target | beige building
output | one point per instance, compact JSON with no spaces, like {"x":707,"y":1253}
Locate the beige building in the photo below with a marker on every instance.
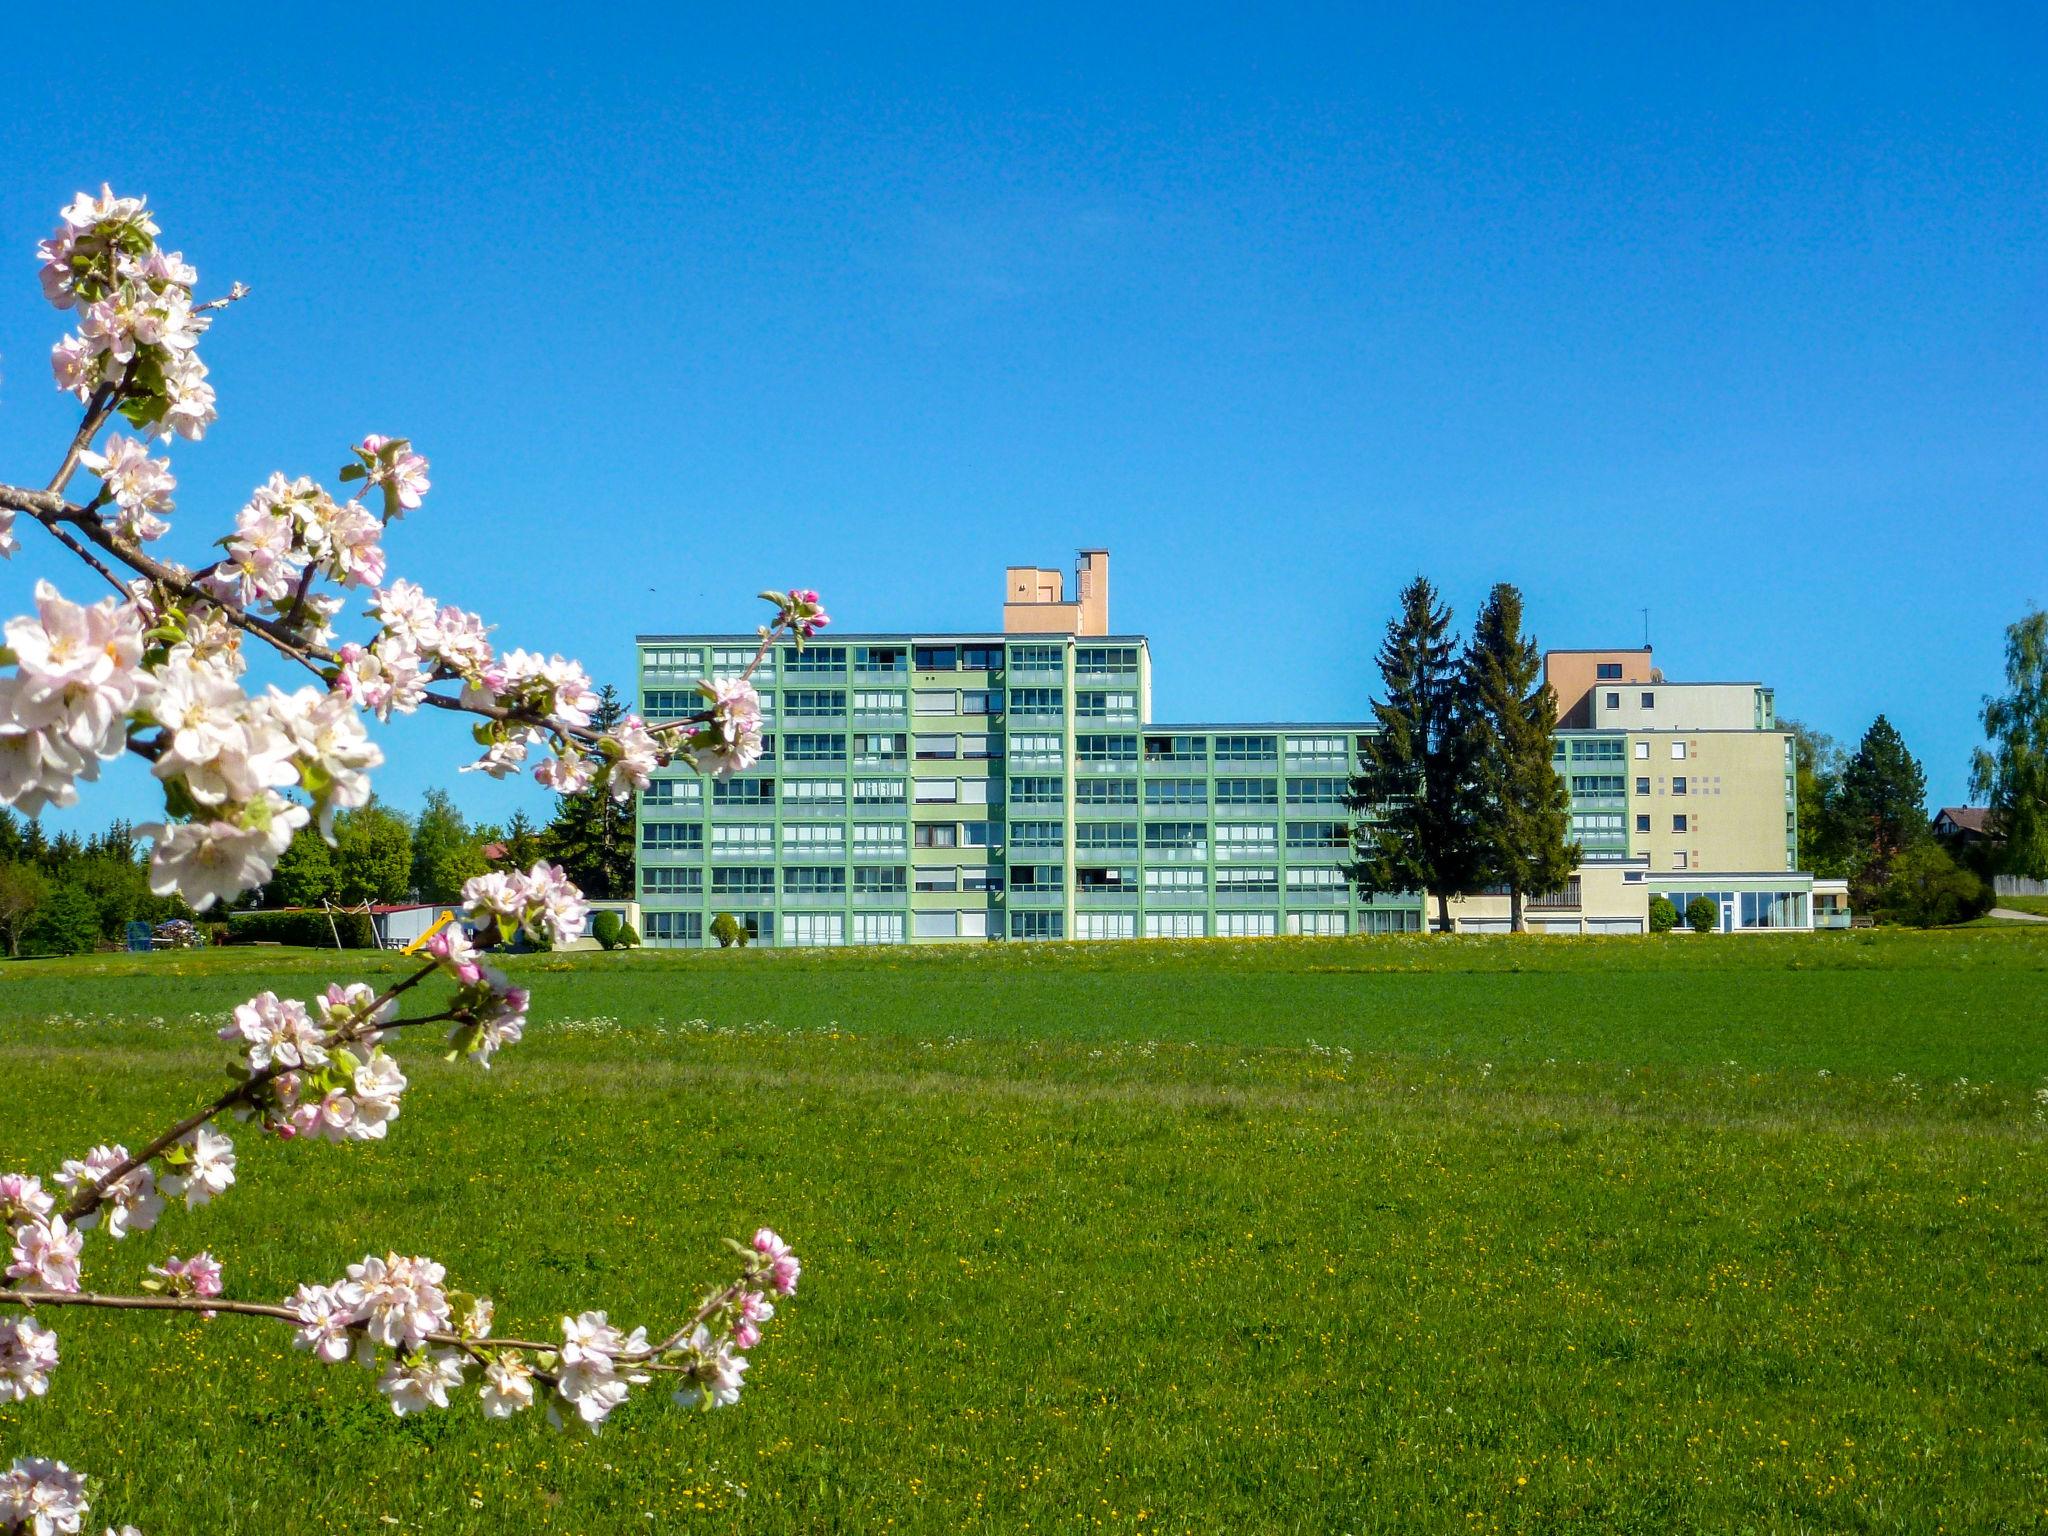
{"x":1680,"y":790}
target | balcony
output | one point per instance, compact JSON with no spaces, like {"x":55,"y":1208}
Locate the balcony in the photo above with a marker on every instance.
{"x":1037,"y":897}
{"x":871,"y":900}
{"x":1335,"y":896}
{"x":1178,"y":897}
{"x":1266,"y":810}
{"x":1106,"y":768}
{"x":1833,"y":920}
{"x":1100,"y":898}
{"x":1118,"y":679}
{"x":1178,"y":810}
{"x":814,"y":810}
{"x":1173,"y":853}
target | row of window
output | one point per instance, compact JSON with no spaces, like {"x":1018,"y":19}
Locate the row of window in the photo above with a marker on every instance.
{"x":824,"y":929}
{"x":669,"y":883}
{"x":1038,"y":790}
{"x":960,"y":656}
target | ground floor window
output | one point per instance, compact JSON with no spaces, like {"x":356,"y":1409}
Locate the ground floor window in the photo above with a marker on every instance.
{"x":1374,"y":920}
{"x":1173,"y":925}
{"x":674,"y":927}
{"x":1106,"y":925}
{"x":1037,"y":925}
{"x":1246,"y":925}
{"x":1321,"y":923}
{"x":878,"y":928}
{"x":811,"y":930}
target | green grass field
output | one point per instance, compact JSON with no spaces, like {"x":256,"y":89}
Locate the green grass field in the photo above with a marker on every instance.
{"x":1302,"y":1236}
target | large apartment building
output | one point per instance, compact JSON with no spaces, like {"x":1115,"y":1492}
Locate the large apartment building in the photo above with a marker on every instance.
{"x":1014,"y":785}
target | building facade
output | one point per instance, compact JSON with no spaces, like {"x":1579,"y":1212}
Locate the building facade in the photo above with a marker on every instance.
{"x":973,"y":787}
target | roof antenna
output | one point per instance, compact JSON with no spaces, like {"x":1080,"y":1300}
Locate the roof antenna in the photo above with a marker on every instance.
{"x":1646,"y":629}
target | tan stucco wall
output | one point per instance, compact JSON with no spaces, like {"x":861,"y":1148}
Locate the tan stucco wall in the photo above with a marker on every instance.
{"x":1734,"y":803}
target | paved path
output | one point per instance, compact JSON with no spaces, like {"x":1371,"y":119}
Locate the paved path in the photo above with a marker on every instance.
{"x":2018,"y":917}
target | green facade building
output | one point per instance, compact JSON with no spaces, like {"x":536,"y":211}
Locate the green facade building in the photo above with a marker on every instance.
{"x":1014,"y":785}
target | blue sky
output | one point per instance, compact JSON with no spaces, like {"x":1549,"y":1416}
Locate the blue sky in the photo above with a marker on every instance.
{"x":1736,"y":313}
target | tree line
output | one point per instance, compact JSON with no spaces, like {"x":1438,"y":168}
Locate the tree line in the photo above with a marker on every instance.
{"x":70,"y":895}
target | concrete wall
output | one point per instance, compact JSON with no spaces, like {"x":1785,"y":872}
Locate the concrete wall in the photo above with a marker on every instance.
{"x":1734,"y":804}
{"x":1679,"y":706}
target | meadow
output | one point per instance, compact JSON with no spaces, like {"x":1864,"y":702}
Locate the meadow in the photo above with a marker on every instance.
{"x":1508,"y":1234}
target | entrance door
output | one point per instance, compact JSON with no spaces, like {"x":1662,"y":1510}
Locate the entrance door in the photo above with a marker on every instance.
{"x":1728,"y":916}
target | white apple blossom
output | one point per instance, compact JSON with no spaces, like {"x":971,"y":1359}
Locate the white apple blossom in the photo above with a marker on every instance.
{"x":277,"y":1030}
{"x":389,"y":464}
{"x":46,"y":1252}
{"x":355,"y":1008}
{"x":37,"y":768}
{"x":23,"y":1195}
{"x":209,"y":1171}
{"x":130,"y":1202}
{"x":28,"y":1353}
{"x":39,"y":1497}
{"x":209,"y":861}
{"x":386,"y":677}
{"x":566,"y":775}
{"x":77,"y":670}
{"x":715,"y":1371}
{"x":327,"y":745}
{"x":504,"y":757}
{"x":402,"y":1299}
{"x":139,"y":485}
{"x":730,"y":741}
{"x":542,"y":902}
{"x":424,"y":1381}
{"x":325,"y":1314}
{"x":378,"y":1084}
{"x":632,"y":754}
{"x":507,"y":1388}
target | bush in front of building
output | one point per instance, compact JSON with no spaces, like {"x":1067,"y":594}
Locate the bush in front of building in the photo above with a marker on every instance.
{"x":629,"y":936}
{"x":1663,"y":915}
{"x":1702,"y":915}
{"x":1929,"y":889}
{"x":605,"y":928}
{"x":729,"y":931}
{"x":307,"y":926}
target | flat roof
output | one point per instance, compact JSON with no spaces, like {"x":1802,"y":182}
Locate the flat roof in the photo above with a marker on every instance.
{"x":901,"y":637}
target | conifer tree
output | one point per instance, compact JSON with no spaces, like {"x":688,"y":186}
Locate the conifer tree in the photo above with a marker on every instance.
{"x":1413,"y":792}
{"x":1883,"y":801}
{"x":591,"y":835}
{"x":1521,"y":808}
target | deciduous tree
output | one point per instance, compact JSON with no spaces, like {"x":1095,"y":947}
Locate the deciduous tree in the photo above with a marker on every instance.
{"x":2011,"y":774}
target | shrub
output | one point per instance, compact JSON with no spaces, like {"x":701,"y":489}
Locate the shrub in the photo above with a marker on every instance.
{"x":306,"y":926}
{"x":604,"y":927}
{"x":728,"y":930}
{"x":1928,"y":889}
{"x":629,"y":936}
{"x":67,"y":924}
{"x":1663,"y":915}
{"x":1702,"y":915}
{"x":217,"y":934}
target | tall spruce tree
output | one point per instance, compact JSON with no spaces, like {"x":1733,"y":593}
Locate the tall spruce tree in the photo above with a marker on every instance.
{"x":1883,"y":805}
{"x":1521,"y":808}
{"x":1413,"y":790}
{"x":591,"y":835}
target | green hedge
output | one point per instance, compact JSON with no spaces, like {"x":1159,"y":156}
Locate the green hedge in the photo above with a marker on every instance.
{"x":305,"y":925}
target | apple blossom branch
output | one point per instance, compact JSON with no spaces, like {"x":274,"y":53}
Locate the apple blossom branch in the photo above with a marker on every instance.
{"x":158,"y":670}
